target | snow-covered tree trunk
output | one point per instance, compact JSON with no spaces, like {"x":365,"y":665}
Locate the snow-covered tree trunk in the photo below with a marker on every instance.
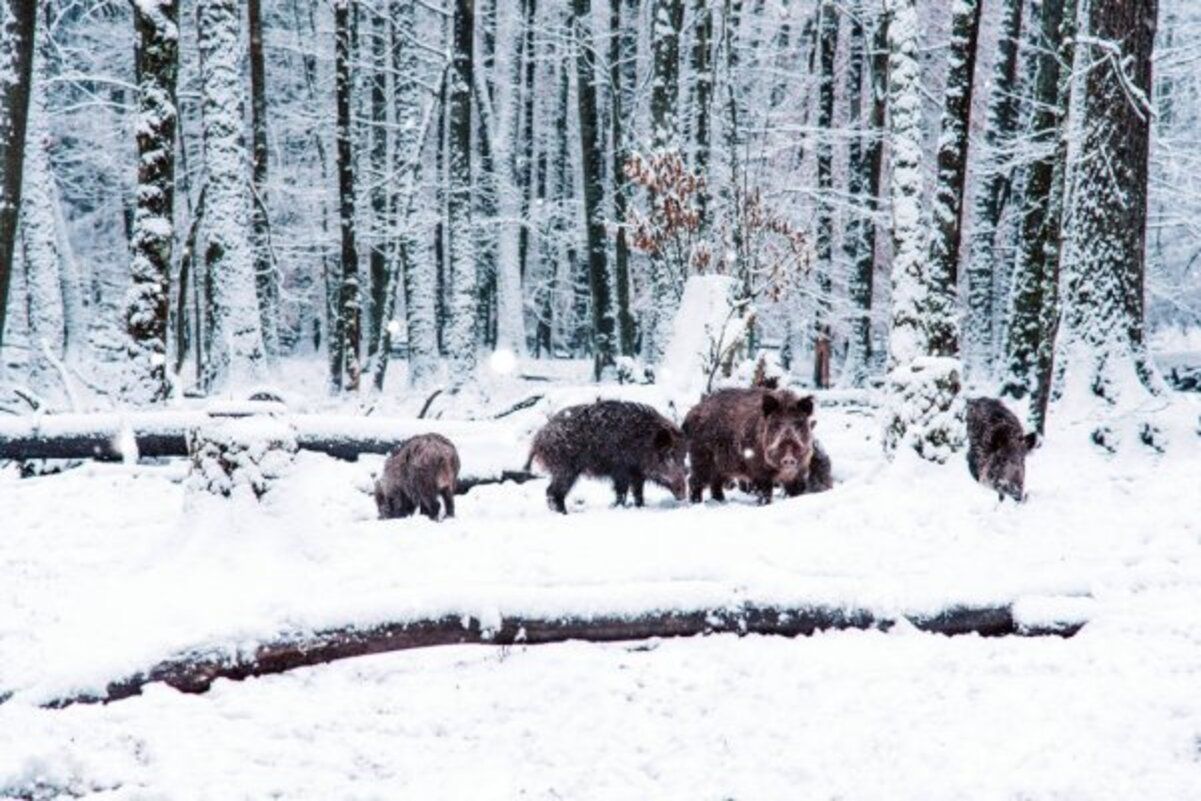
{"x":702,"y":100}
{"x":460,"y":331}
{"x":348,"y":325}
{"x":266,"y":281}
{"x":623,"y":57}
{"x":17,"y":19}
{"x":924,"y":409}
{"x":420,"y":276}
{"x":951,"y":181}
{"x":592,"y":155}
{"x":866,"y":165}
{"x":980,"y":348}
{"x":1101,"y":356}
{"x":510,"y":313}
{"x":381,"y":262}
{"x":667,"y":20}
{"x":1036,"y":272}
{"x":236,"y":352}
{"x":153,"y":240}
{"x":827,"y":50}
{"x":44,"y":312}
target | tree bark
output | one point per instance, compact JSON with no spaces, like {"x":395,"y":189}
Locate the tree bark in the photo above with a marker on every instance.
{"x":16,"y":61}
{"x":827,"y":50}
{"x":1105,"y":224}
{"x":153,"y":240}
{"x":1037,"y":266}
{"x":461,"y":331}
{"x":236,"y":352}
{"x":196,"y":672}
{"x":348,"y":326}
{"x":979,"y":345}
{"x":623,"y":55}
{"x":265,"y":278}
{"x":951,"y":186}
{"x":592,"y":156}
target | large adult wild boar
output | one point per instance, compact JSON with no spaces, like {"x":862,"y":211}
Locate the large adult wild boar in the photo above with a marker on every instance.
{"x":759,"y":436}
{"x":629,"y":443}
{"x":997,"y":447}
{"x":422,"y":470}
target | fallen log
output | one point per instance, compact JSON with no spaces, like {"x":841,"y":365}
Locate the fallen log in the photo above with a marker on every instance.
{"x":195,"y":672}
{"x":142,"y":435}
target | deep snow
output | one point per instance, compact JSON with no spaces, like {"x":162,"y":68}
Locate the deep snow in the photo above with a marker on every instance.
{"x":108,"y":568}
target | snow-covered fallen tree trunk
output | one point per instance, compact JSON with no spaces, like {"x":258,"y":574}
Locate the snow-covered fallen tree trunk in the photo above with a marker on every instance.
{"x":196,"y":672}
{"x":490,"y":452}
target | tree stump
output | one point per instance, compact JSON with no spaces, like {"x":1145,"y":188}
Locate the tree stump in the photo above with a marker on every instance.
{"x":240,"y":455}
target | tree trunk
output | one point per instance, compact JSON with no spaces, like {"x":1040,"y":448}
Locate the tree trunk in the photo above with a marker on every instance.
{"x":149,"y":300}
{"x":623,"y":56}
{"x":461,"y":332}
{"x":1036,"y":273}
{"x":592,"y":156}
{"x":702,"y":100}
{"x":925,"y":409}
{"x":265,"y":278}
{"x":1103,"y":355}
{"x":348,"y":325}
{"x":196,"y":674}
{"x":17,"y":18}
{"x":980,"y":349}
{"x":865,"y":164}
{"x":827,"y":49}
{"x":236,"y":352}
{"x":504,"y":130}
{"x":951,"y":182}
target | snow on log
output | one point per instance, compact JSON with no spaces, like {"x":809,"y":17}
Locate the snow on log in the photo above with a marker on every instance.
{"x":491,"y":452}
{"x":195,"y":672}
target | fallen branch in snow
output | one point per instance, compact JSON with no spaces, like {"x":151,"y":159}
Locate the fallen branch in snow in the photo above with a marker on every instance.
{"x":485,"y":447}
{"x":519,"y":406}
{"x":196,"y":672}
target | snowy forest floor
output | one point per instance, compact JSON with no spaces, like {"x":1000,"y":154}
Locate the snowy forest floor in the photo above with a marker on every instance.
{"x":106,"y":569}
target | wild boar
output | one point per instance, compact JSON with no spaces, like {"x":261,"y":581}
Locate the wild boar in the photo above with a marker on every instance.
{"x":997,"y":447}
{"x":629,"y":443}
{"x":759,"y":436}
{"x":421,"y":470}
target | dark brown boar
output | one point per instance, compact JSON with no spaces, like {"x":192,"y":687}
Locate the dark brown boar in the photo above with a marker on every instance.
{"x":421,"y":470}
{"x":997,"y":447}
{"x":759,"y":436}
{"x":629,"y":443}
{"x":820,"y":477}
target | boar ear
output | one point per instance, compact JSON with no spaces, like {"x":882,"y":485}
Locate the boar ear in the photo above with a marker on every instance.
{"x":771,"y":404}
{"x":663,"y":439}
{"x":805,"y":405}
{"x":1033,"y":440}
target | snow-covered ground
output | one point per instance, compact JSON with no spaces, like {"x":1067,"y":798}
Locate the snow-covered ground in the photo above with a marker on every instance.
{"x":107,"y":569}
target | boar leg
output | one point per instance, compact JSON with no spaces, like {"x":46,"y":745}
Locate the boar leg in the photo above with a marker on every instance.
{"x":701,"y":477}
{"x":404,"y":506}
{"x":717,"y":488}
{"x":448,"y":502}
{"x":638,"y":483}
{"x":621,"y":487}
{"x":429,"y":507}
{"x":764,"y":489}
{"x":556,"y":493}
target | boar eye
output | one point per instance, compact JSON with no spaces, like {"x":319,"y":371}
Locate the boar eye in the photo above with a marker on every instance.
{"x":805,"y":405}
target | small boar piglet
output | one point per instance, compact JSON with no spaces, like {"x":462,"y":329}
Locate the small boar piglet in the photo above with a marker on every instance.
{"x":759,"y":436}
{"x":997,"y":447}
{"x":422,"y":470}
{"x":629,"y":443}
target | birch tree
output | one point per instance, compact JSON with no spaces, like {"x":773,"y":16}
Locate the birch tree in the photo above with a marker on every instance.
{"x":153,"y":240}
{"x":924,"y":410}
{"x":17,"y":21}
{"x":236,"y":352}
